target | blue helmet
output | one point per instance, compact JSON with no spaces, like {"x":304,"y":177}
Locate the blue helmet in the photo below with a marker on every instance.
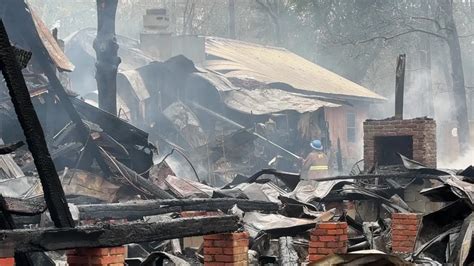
{"x":316,"y":144}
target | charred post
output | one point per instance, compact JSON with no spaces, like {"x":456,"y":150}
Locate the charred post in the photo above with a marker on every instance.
{"x":106,"y":47}
{"x":399,"y":86}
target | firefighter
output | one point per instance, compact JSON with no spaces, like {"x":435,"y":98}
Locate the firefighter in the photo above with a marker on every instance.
{"x":316,"y":164}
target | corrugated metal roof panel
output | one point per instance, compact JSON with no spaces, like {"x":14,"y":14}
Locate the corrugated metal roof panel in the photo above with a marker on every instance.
{"x":267,"y":101}
{"x":236,"y":59}
{"x":57,"y":55}
{"x":136,"y":82}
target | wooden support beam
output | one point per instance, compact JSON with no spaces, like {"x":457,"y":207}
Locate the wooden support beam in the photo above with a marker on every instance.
{"x":108,"y":235}
{"x":139,"y":209}
{"x":20,"y":97}
{"x":135,"y":210}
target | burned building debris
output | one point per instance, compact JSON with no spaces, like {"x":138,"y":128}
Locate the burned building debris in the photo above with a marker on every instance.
{"x":201,"y":162}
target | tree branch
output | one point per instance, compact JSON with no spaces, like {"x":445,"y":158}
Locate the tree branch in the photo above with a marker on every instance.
{"x":436,"y":22}
{"x":401,"y":34}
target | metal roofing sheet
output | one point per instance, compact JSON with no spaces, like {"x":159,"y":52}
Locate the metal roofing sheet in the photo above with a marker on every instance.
{"x":237,"y":59}
{"x":136,"y":82}
{"x":56,"y":54}
{"x":266,"y":101}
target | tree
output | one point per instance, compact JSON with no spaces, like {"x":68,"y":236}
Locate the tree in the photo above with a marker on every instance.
{"x":380,"y":22}
{"x":106,"y":48}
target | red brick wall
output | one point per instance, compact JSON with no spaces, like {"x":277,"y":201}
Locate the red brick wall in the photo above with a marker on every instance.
{"x":226,"y":249}
{"x":404,"y":230}
{"x":327,"y":238}
{"x":96,"y":256}
{"x":7,"y":261}
{"x":423,"y":131}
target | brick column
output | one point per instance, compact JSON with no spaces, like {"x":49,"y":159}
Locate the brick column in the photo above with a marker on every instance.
{"x":327,"y":238}
{"x":7,"y":261}
{"x":226,"y":249}
{"x":114,"y":256}
{"x":404,"y":230}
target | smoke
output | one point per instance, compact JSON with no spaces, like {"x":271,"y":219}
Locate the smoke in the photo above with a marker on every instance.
{"x":459,"y":163}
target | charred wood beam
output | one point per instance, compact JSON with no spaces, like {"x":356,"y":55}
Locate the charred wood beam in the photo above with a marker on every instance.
{"x":26,"y":207}
{"x":136,"y":209}
{"x":20,"y":97}
{"x":106,"y":49}
{"x":108,"y":235}
{"x":6,"y":149}
{"x":139,"y":209}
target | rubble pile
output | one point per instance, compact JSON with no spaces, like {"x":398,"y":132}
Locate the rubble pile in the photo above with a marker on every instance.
{"x":90,"y":188}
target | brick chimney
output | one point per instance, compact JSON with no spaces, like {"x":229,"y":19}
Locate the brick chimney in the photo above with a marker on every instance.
{"x":156,"y":37}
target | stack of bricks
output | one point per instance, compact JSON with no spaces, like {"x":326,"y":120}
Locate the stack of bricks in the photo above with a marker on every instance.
{"x":7,"y":261}
{"x":226,"y":249}
{"x":96,"y":256}
{"x":404,"y":230}
{"x":327,"y":238}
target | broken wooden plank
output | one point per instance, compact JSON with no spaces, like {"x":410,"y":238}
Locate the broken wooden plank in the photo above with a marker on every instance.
{"x":139,"y":209}
{"x":108,"y":235}
{"x":27,"y":207}
{"x":20,"y":97}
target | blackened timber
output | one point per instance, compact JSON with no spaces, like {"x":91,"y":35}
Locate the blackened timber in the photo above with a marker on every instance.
{"x":20,"y":97}
{"x":112,"y":235}
{"x":399,"y":86}
{"x":27,"y":207}
{"x":139,"y":209}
